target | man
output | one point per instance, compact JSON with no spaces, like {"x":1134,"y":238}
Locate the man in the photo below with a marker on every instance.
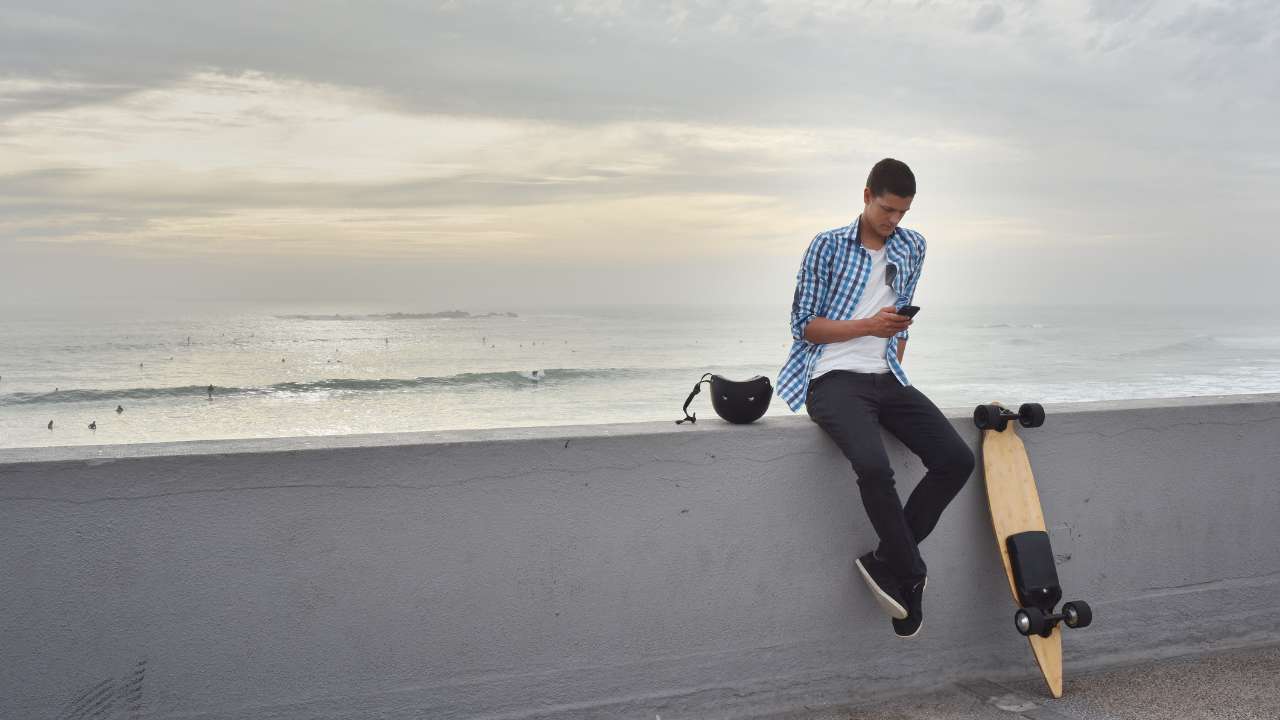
{"x":846,"y":366}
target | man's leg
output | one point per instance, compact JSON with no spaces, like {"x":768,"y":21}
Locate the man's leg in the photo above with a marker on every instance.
{"x":846,"y":406}
{"x":920,"y":425}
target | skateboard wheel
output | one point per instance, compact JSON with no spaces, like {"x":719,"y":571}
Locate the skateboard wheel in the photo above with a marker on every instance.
{"x":986,"y":417}
{"x":1031,"y":415}
{"x":1029,"y":621}
{"x":1078,"y":614}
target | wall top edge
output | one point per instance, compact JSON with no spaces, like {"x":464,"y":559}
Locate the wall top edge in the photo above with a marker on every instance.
{"x":559,"y":432}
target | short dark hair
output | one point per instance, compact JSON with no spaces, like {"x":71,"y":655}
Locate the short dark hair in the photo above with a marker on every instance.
{"x":893,"y":176}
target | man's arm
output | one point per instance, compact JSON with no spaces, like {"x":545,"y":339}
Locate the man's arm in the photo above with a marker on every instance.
{"x":884,"y":324}
{"x":811,"y":289}
{"x":902,"y":350}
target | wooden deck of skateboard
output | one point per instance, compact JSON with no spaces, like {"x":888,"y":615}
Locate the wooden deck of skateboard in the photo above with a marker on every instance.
{"x":1015,"y":507}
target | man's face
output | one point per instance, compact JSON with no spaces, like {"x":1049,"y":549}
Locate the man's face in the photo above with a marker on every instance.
{"x":885,"y":212}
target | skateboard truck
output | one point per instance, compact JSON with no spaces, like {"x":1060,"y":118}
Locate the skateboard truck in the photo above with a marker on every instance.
{"x":1036,"y":579}
{"x":997,"y":417}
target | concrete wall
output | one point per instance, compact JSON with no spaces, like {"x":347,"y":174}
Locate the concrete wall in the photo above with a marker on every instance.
{"x":607,"y":571}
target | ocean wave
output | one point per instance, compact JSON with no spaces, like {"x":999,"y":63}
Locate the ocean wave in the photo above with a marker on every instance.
{"x":1259,"y":342}
{"x":446,"y":315}
{"x":510,"y":378}
{"x":1194,"y":344}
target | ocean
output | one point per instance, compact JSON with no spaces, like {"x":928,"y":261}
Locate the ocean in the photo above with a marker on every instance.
{"x":280,"y":372}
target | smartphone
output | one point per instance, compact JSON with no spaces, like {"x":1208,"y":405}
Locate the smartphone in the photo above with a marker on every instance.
{"x":909,"y":311}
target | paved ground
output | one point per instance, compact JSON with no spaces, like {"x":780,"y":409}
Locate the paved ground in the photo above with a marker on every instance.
{"x":1237,"y":685}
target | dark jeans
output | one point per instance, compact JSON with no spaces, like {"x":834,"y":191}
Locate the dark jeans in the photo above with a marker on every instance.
{"x":852,"y":408}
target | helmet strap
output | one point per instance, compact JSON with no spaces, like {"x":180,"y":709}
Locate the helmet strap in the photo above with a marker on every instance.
{"x":697,"y":388}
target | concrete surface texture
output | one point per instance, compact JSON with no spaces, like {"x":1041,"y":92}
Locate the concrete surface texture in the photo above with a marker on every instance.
{"x":600,"y":571}
{"x":1239,"y":684}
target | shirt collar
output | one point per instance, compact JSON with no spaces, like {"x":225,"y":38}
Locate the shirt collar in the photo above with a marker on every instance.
{"x":851,"y":234}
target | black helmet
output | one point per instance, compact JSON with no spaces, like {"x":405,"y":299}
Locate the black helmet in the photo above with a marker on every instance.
{"x":738,"y":401}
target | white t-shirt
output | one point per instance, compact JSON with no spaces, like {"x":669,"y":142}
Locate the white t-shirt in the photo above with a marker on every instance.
{"x":862,"y":354}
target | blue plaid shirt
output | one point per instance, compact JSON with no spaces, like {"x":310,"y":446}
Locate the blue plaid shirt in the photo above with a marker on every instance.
{"x":832,"y":277}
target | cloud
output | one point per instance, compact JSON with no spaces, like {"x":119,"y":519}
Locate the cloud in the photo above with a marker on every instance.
{"x":252,"y":163}
{"x":474,"y":130}
{"x":21,"y":95}
{"x":1241,"y":24}
{"x":1114,"y":11}
{"x":753,"y":63}
{"x":988,"y":17}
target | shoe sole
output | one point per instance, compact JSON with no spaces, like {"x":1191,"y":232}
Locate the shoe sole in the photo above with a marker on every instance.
{"x":908,"y":637}
{"x":886,"y":601}
{"x":921,"y":625}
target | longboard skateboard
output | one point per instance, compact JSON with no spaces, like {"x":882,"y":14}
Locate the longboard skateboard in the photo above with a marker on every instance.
{"x":1018,"y":521}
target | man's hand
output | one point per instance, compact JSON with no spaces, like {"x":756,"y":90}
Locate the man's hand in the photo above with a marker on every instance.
{"x":887,"y":322}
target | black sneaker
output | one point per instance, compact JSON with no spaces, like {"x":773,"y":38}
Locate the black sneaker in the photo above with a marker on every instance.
{"x":911,"y":625}
{"x":884,"y":585}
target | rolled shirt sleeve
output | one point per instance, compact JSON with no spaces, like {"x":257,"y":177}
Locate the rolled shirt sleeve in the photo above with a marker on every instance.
{"x":811,"y":286}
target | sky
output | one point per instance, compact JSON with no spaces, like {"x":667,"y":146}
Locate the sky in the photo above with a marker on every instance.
{"x":492,"y":156}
